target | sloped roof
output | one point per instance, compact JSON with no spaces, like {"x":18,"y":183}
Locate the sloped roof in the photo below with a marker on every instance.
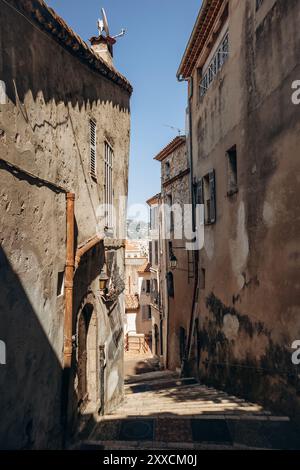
{"x":154,"y":199}
{"x":202,"y":29}
{"x":48,"y":20}
{"x":171,"y":147}
{"x":132,"y":302}
{"x":145,"y":268}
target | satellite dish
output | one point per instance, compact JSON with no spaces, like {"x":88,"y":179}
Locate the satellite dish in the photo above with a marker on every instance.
{"x":105,"y":22}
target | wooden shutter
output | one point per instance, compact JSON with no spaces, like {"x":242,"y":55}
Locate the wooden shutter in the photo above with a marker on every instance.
{"x":93,"y":148}
{"x":212,"y":187}
{"x":150,"y":253}
{"x":199,"y":193}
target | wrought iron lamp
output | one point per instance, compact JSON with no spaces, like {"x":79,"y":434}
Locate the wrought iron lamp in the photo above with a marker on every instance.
{"x":103,"y":281}
{"x":173,"y":261}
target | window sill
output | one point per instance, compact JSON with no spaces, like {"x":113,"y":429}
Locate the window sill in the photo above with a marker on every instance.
{"x":209,"y":223}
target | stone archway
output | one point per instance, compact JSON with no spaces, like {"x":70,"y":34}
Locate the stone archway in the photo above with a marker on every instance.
{"x":87,"y":358}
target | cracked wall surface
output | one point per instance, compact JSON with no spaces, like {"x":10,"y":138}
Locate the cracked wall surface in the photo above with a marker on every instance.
{"x":44,"y":151}
{"x":249,"y":309}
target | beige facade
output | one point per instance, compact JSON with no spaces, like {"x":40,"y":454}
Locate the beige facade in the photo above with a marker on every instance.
{"x":137,"y":320}
{"x":66,"y":112}
{"x":159,"y":319}
{"x":244,"y":140}
{"x":175,"y":262}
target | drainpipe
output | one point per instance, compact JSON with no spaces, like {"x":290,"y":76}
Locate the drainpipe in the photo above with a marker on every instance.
{"x":68,"y":318}
{"x":69,"y":277}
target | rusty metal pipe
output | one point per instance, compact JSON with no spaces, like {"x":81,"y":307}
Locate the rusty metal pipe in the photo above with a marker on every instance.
{"x":69,"y":276}
{"x":85,"y":248}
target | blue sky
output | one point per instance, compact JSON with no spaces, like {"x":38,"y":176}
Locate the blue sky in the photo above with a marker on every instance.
{"x":149,"y":56}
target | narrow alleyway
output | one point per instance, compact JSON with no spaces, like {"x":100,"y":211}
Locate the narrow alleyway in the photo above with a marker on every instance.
{"x":162,"y":411}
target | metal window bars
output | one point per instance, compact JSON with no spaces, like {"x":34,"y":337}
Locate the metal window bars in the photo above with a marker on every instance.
{"x":215,"y":65}
{"x":93,"y":148}
{"x":108,"y":184}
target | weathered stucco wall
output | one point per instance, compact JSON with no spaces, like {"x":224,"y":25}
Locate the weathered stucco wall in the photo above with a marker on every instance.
{"x":51,"y":95}
{"x":249,"y":306}
{"x":176,"y":184}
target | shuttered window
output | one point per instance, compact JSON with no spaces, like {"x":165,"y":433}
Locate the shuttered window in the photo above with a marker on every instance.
{"x":205,"y":193}
{"x":93,"y":148}
{"x":108,"y":183}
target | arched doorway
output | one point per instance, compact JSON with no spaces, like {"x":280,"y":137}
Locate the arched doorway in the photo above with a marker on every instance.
{"x":156,"y":340}
{"x":87,"y":358}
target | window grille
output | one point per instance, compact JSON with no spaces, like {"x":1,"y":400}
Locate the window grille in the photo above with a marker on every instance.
{"x":93,"y":148}
{"x":215,"y":65}
{"x":108,"y":184}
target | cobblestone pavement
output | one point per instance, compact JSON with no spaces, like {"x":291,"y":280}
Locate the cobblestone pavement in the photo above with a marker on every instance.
{"x":161,"y":411}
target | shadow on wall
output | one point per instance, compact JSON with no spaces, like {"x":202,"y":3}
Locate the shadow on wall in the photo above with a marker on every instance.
{"x":30,"y":382}
{"x":67,"y":79}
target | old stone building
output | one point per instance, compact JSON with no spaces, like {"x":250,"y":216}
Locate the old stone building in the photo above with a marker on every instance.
{"x":240,"y":62}
{"x":144,"y":321}
{"x":137,"y":322}
{"x":64,"y":145}
{"x":158,"y":311}
{"x":176,"y":261}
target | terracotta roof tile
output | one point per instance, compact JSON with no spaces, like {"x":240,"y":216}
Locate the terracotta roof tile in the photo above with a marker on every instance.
{"x":46,"y":18}
{"x":145,"y":268}
{"x":171,"y":147}
{"x":132,"y":302}
{"x":204,"y":25}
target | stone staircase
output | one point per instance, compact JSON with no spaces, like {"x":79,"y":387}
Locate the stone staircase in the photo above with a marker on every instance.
{"x":163,"y":411}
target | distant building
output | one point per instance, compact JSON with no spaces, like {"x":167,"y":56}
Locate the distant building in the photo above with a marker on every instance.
{"x":159,"y":318}
{"x":176,"y":263}
{"x":136,"y":320}
{"x":244,"y":134}
{"x":64,"y":148}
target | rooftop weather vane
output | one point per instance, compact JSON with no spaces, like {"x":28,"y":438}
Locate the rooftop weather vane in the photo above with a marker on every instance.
{"x":103,"y":26}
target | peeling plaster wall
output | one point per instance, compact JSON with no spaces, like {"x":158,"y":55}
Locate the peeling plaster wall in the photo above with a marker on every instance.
{"x":249,"y":309}
{"x":44,"y":129}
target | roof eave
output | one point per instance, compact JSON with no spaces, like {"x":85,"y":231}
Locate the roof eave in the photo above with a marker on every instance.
{"x":204,"y":24}
{"x":170,"y":148}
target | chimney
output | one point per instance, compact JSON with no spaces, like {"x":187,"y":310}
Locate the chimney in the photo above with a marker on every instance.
{"x":103,"y":47}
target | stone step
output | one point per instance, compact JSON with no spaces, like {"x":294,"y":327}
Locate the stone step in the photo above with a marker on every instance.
{"x":165,"y":383}
{"x":153,"y":445}
{"x":150,"y":376}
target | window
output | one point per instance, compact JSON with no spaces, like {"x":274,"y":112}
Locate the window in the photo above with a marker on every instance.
{"x":207,"y":197}
{"x":156,"y":252}
{"x":170,"y":284}
{"x":232,"y":176}
{"x":167,"y":170}
{"x":154,"y":217}
{"x":148,"y":286}
{"x":259,"y":4}
{"x":170,"y":222}
{"x":60,"y":283}
{"x":150,"y":253}
{"x":146,"y":313}
{"x":215,"y":65}
{"x":108,"y":184}
{"x":93,"y":149}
